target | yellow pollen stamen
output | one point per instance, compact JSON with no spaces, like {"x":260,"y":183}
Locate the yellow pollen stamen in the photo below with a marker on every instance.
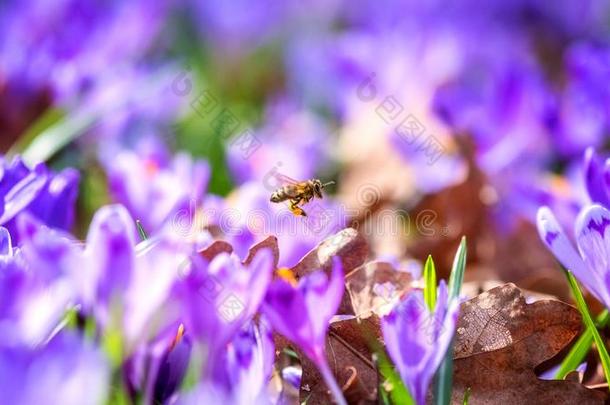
{"x":178,"y":337}
{"x":286,"y":274}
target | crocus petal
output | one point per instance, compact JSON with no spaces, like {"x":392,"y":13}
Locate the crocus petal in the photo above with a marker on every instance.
{"x":218,"y":298}
{"x":557,"y":241}
{"x":110,"y":251}
{"x":172,"y":370}
{"x":56,"y":203}
{"x":6,"y":248}
{"x":447,"y":331}
{"x":302,"y":313}
{"x":408,"y":337}
{"x":155,"y":271}
{"x":246,"y":368}
{"x":593,"y":239}
{"x":66,"y":371}
{"x":260,"y":270}
{"x":45,"y":288}
{"x":286,"y":310}
{"x":595,"y":178}
{"x":440,"y":309}
{"x":22,"y":194}
{"x":325,"y":297}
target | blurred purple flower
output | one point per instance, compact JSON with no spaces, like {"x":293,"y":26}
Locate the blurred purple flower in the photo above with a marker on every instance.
{"x":302,"y":312}
{"x":292,"y":141}
{"x":246,"y":365}
{"x":597,"y":177}
{"x":157,"y":192}
{"x":73,"y":42}
{"x":35,"y":283}
{"x":157,"y":369}
{"x":48,"y":196}
{"x":67,"y":371}
{"x":173,"y":367}
{"x":60,"y":55}
{"x":590,"y":263}
{"x":122,"y":285}
{"x":417,"y":339}
{"x":583,"y":113}
{"x":217,"y":298}
{"x":236,"y":28}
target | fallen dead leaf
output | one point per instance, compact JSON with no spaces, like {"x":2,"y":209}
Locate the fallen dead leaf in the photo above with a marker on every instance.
{"x":268,"y":243}
{"x":347,"y":244}
{"x":350,"y":359}
{"x":500,"y":340}
{"x":215,"y":248}
{"x":375,"y":287}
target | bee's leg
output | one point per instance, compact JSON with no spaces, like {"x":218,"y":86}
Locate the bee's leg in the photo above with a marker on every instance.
{"x":296,"y":210}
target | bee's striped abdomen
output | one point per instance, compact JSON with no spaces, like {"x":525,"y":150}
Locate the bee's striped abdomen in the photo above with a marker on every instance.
{"x":283,"y":194}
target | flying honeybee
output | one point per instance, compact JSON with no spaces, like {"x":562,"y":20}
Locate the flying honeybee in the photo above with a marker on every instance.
{"x":298,"y":193}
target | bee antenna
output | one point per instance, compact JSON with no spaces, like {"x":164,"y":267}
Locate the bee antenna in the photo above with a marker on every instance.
{"x":328,"y":184}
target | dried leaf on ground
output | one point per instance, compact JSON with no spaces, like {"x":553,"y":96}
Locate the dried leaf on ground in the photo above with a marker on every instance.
{"x":500,"y":340}
{"x":268,"y":243}
{"x":347,"y":244}
{"x":215,"y":248}
{"x":375,"y":287}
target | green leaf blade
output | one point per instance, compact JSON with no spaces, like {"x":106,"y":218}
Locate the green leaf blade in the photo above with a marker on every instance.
{"x":580,"y":349}
{"x":591,"y":328}
{"x":444,"y":375}
{"x":430,"y":283}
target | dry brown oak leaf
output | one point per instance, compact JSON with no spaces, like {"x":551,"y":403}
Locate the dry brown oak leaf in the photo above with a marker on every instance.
{"x":350,"y":358}
{"x":500,"y":339}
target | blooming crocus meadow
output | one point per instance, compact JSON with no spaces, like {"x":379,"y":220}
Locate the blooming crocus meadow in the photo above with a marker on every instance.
{"x":144,"y":261}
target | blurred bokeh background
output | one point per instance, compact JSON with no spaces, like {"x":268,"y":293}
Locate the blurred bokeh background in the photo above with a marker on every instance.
{"x":435,"y":119}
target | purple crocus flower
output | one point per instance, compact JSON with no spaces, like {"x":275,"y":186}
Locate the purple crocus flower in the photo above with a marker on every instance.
{"x":48,"y":196}
{"x":69,"y":56}
{"x":124,"y":285}
{"x":35,"y":283}
{"x":302,"y":312}
{"x":584,"y":117}
{"x":157,"y":369}
{"x":246,"y":365}
{"x":291,"y":142}
{"x":234,"y":26}
{"x":597,"y":177}
{"x":172,"y":370}
{"x":592,"y":235}
{"x":158,"y":192}
{"x":67,"y":371}
{"x":417,"y":339}
{"x":217,"y":298}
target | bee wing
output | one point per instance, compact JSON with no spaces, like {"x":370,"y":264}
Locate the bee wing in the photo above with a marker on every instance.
{"x":294,"y":188}
{"x":285,"y":180}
